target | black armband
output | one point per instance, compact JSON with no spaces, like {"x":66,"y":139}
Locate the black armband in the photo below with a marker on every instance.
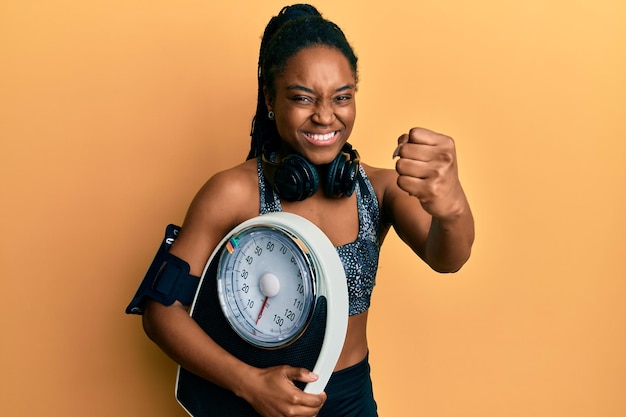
{"x":167,"y":279}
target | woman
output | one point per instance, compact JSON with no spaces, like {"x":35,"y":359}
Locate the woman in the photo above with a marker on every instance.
{"x":305,"y":114}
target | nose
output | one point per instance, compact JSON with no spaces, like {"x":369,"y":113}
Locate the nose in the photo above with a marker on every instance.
{"x":324,"y":114}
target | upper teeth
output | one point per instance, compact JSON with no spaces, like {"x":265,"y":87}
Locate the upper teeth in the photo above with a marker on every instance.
{"x":325,"y":137}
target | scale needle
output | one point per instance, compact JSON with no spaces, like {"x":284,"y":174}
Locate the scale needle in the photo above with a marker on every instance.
{"x":261,"y":312}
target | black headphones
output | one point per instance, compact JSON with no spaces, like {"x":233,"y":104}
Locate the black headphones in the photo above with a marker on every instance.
{"x":296,"y":179}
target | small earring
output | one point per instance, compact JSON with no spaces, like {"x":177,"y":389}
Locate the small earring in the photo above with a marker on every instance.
{"x":270,"y":115}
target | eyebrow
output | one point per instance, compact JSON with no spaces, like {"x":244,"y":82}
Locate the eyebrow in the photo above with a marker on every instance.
{"x":299,"y":87}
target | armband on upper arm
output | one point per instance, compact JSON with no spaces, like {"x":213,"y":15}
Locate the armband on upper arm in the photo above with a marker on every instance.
{"x":167,"y":279}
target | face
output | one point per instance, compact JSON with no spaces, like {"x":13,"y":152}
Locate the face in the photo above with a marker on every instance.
{"x":314,"y":104}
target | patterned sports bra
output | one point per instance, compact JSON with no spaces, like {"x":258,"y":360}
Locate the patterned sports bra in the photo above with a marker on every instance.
{"x":359,"y":258}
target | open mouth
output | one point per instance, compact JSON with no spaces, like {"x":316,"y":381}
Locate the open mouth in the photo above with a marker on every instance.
{"x":326,"y":137}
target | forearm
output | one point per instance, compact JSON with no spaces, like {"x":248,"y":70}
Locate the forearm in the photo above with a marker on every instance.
{"x":449,"y":241}
{"x":186,"y":343}
{"x":270,"y":391}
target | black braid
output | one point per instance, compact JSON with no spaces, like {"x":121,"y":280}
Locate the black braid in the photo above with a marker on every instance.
{"x":293,"y":29}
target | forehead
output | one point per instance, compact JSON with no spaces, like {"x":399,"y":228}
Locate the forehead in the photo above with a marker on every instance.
{"x":317,"y":67}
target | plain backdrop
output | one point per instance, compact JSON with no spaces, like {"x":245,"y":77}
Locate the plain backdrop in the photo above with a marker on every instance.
{"x":113,"y":114}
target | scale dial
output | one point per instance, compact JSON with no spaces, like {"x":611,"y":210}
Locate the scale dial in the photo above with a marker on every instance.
{"x":266,"y":285}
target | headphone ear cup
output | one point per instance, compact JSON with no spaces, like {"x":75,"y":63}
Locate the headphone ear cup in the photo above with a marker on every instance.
{"x":296,"y":179}
{"x":341,"y":176}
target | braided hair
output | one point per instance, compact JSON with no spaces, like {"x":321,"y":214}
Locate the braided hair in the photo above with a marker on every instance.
{"x":295,"y":28}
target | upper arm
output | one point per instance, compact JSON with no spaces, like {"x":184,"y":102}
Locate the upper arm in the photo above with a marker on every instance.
{"x":226,"y":200}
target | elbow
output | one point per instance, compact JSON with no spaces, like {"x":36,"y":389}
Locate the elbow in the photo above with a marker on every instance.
{"x":448,"y":266}
{"x":158,"y":319}
{"x":147,"y":322}
{"x":446,"y":269}
{"x":150,"y":319}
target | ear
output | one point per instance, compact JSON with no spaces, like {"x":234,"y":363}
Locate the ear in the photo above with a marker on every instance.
{"x":269,"y":100}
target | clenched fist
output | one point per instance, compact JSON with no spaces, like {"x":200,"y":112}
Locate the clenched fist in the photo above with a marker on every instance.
{"x":427,"y":169}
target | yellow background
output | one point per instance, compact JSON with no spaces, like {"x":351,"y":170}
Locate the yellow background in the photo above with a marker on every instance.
{"x":114,"y":113}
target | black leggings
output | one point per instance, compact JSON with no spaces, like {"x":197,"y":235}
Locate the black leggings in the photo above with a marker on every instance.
{"x":349,"y":393}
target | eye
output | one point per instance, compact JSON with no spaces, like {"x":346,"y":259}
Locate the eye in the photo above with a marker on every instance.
{"x":343,"y":99}
{"x":302,"y":99}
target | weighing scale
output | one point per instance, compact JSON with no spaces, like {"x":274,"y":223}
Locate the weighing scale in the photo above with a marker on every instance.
{"x":272,"y":293}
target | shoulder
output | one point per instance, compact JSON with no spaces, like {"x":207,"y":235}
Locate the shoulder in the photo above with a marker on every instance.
{"x":228,"y":198}
{"x":383,"y":180}
{"x":225,"y":187}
